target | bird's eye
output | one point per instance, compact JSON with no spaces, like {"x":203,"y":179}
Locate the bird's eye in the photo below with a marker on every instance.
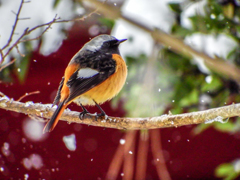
{"x":106,"y":44}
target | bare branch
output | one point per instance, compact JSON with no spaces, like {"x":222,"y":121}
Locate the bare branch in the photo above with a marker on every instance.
{"x":14,"y":25}
{"x":27,"y":31}
{"x":26,"y":18}
{"x":23,"y":55}
{"x":15,"y":44}
{"x":7,"y":64}
{"x":49,"y":24}
{"x":45,"y":111}
{"x":28,"y":94}
{"x":78,"y":18}
{"x":176,"y":44}
{"x":1,"y":58}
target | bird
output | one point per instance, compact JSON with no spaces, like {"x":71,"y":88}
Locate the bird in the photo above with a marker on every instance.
{"x":95,"y":74}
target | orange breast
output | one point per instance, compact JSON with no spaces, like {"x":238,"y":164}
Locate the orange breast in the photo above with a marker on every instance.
{"x":108,"y":88}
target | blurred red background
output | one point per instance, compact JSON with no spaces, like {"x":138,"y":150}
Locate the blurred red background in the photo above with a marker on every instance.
{"x":187,"y":156}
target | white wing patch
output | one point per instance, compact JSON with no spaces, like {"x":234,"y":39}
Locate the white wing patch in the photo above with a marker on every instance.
{"x":86,"y":73}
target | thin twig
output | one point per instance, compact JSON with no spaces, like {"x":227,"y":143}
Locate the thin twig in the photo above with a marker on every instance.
{"x":15,"y":44}
{"x":1,"y":58}
{"x":79,"y":18}
{"x":23,"y":55}
{"x":7,"y":64}
{"x":27,"y":31}
{"x":49,"y":24}
{"x":14,"y":25}
{"x":164,"y":121}
{"x":28,"y":94}
{"x":26,"y":18}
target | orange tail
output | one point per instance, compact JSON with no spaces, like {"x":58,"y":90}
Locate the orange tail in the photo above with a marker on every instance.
{"x":55,"y":117}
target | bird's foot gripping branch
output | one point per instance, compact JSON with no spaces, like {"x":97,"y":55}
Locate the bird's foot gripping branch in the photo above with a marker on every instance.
{"x":46,"y":111}
{"x":95,"y":74}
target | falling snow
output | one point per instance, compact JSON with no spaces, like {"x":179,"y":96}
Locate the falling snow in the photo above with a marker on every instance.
{"x":122,"y":141}
{"x":236,"y":165}
{"x":33,"y":161}
{"x":26,"y":176}
{"x":6,"y":149}
{"x":208,"y":79}
{"x":33,"y":130}
{"x":70,"y":142}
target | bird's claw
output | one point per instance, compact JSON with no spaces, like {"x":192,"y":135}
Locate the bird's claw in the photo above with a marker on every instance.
{"x":82,"y":114}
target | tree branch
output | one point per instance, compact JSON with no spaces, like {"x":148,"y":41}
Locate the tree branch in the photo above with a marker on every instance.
{"x":28,"y":31}
{"x":7,"y":64}
{"x":14,"y":25}
{"x":45,"y":111}
{"x":177,"y":45}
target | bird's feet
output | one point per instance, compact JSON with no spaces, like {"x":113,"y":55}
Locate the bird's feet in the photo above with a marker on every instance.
{"x":83,"y":113}
{"x":100,"y":114}
{"x":96,"y":115}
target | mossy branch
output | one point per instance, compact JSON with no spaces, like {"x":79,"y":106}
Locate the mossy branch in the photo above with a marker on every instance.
{"x":164,"y":121}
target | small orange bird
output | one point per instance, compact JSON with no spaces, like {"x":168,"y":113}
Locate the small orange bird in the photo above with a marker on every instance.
{"x":95,"y":74}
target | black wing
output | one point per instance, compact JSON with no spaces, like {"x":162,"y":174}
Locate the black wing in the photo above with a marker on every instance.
{"x":58,"y":96}
{"x":105,"y":66}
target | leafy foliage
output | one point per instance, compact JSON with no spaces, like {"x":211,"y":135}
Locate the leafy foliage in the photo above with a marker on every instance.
{"x":182,"y":82}
{"x":218,"y":18}
{"x":227,"y":171}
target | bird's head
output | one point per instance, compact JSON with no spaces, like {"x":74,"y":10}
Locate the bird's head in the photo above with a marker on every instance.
{"x":104,"y":44}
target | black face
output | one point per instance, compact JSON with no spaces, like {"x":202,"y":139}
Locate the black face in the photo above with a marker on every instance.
{"x":104,"y":44}
{"x":110,"y":46}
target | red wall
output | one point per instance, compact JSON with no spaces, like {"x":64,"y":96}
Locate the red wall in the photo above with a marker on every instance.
{"x":187,"y":156}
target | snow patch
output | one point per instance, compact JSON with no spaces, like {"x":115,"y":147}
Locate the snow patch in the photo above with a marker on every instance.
{"x":70,"y":142}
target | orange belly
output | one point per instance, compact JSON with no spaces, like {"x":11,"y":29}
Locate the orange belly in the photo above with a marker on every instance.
{"x":108,"y":88}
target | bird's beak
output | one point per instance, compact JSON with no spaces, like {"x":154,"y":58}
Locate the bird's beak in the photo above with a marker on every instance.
{"x":120,"y":41}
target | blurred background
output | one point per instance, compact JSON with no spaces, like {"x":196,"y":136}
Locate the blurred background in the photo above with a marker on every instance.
{"x":159,"y":80}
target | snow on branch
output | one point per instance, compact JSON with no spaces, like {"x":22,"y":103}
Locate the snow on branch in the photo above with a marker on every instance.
{"x":163,"y":121}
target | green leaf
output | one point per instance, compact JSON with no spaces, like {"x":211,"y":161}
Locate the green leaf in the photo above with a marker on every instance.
{"x":55,"y":3}
{"x":231,"y":53}
{"x":214,"y":84}
{"x":191,"y":98}
{"x":224,"y":127}
{"x":200,"y":128}
{"x":175,"y":7}
{"x":181,"y":31}
{"x":22,"y":69}
{"x":5,"y":74}
{"x":226,"y":171}
{"x":108,"y":22}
